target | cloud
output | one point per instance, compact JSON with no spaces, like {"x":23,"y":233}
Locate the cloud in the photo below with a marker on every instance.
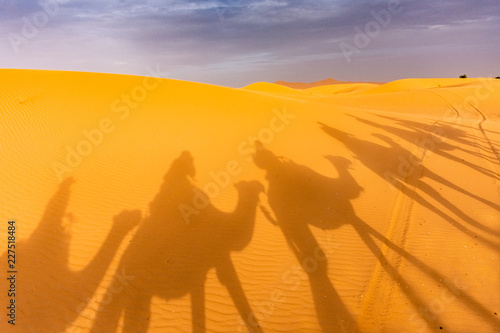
{"x":267,"y":37}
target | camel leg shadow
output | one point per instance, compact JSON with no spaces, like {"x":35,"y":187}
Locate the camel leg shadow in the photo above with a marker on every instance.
{"x":227,"y":275}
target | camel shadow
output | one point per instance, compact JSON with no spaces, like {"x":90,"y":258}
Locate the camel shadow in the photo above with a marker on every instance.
{"x":404,"y":171}
{"x":52,"y":294}
{"x":434,"y":140}
{"x":300,"y":197}
{"x":179,"y":241}
{"x":385,"y":162}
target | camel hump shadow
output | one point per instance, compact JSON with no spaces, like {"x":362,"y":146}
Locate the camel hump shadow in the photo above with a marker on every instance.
{"x":299,"y":198}
{"x":315,"y":199}
{"x":47,"y":277}
{"x":179,"y":241}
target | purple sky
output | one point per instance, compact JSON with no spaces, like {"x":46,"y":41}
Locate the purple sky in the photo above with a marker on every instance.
{"x":236,"y":42}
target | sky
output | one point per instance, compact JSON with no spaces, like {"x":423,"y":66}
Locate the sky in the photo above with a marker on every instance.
{"x":236,"y":42}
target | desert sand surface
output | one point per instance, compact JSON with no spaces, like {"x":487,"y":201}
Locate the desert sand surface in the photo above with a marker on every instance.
{"x":145,"y":204}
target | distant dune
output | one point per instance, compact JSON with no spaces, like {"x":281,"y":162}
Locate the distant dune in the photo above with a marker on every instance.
{"x":147,"y":204}
{"x":273,"y":88}
{"x":327,"y":82}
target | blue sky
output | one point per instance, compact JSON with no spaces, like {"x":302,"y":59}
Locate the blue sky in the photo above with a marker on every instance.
{"x":237,"y":42}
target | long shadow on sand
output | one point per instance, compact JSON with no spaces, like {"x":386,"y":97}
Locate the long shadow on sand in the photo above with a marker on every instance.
{"x":435,"y":142}
{"x":378,"y":158}
{"x":51,"y":294}
{"x":454,"y":133}
{"x":178,"y":242}
{"x":300,"y":197}
{"x":404,"y":171}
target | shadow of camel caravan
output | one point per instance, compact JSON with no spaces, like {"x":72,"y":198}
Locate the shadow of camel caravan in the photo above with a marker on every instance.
{"x":382,"y":159}
{"x":170,"y":258}
{"x":299,"y":197}
{"x":403,"y":171}
{"x":52,"y":293}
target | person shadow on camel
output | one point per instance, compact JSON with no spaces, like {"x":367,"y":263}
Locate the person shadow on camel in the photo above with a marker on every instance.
{"x":299,"y":198}
{"x":170,"y":256}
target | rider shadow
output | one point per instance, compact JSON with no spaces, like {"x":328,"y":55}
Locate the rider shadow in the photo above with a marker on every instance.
{"x":378,"y":158}
{"x":404,"y":171}
{"x":53,"y":295}
{"x":300,"y":197}
{"x":179,"y":241}
{"x":434,"y":140}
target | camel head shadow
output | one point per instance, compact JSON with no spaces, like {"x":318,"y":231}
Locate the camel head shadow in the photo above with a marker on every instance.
{"x":47,"y":276}
{"x":179,"y":241}
{"x":298,"y":193}
{"x":300,"y":197}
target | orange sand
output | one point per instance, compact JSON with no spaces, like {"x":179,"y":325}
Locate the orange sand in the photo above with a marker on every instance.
{"x":381,"y":208}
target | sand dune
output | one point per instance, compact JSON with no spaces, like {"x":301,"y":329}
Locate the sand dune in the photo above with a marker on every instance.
{"x":342,"y":88}
{"x":327,"y":82}
{"x":273,"y":88}
{"x":171,"y":206}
